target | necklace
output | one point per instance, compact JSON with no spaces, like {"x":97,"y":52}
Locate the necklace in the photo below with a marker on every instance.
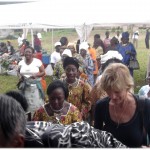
{"x":57,"y":111}
{"x":121,"y":114}
{"x":74,"y":84}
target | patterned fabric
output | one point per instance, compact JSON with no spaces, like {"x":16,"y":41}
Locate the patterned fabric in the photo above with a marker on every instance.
{"x":58,"y":70}
{"x":89,"y":69}
{"x":73,"y":115}
{"x":79,"y":58}
{"x":97,"y":93}
{"x":99,"y":51}
{"x":78,"y":96}
{"x":73,"y":135}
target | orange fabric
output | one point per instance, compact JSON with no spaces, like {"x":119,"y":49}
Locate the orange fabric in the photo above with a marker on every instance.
{"x":43,"y":83}
{"x":92,"y":52}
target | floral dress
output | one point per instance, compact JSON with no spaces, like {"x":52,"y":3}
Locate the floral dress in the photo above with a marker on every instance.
{"x":78,"y":96}
{"x":58,"y":70}
{"x":73,"y":115}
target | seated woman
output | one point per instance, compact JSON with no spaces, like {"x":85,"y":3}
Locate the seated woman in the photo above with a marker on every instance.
{"x":78,"y":90}
{"x":119,"y":113}
{"x":58,"y":110}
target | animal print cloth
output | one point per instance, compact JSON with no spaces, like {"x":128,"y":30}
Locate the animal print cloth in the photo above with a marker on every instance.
{"x":73,"y":135}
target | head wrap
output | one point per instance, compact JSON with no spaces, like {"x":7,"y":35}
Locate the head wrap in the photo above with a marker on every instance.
{"x":84,"y":45}
{"x":125,"y":35}
{"x":57,"y":44}
{"x":67,"y":52}
{"x":109,"y":55}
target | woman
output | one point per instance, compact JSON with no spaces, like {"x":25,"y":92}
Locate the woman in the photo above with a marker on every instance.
{"x":59,"y":70}
{"x":97,"y":92}
{"x":78,"y":90}
{"x":113,"y":44}
{"x":88,"y":62}
{"x":127,"y":50}
{"x":58,"y":110}
{"x":30,"y":72}
{"x":119,"y":112}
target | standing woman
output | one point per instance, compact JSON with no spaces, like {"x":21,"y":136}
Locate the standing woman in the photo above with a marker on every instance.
{"x":30,"y":72}
{"x":120,"y":112}
{"x":78,"y":89}
{"x":127,"y":50}
{"x":58,"y":110}
{"x":88,"y":62}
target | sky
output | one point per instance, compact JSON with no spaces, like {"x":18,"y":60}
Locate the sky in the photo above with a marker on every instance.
{"x":76,"y":12}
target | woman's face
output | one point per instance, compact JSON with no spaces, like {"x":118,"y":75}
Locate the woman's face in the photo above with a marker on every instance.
{"x":28,"y":53}
{"x":117,"y":96}
{"x":71,"y":72}
{"x":83,"y":52}
{"x":56,"y":98}
{"x":125,"y":40}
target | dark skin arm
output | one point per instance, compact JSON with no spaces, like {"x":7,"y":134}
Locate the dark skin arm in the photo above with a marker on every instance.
{"x":52,"y":64}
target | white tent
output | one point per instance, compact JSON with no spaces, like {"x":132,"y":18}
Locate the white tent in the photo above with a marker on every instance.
{"x":79,"y":14}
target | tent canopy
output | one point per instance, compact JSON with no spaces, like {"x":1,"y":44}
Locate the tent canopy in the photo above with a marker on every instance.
{"x":79,"y":14}
{"x":71,"y":13}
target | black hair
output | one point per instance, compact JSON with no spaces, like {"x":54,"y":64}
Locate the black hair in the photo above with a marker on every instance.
{"x":115,"y":40}
{"x":107,"y":32}
{"x":63,"y":41}
{"x":97,"y":36}
{"x":109,"y":61}
{"x":30,"y":48}
{"x":77,"y":46}
{"x":19,"y":97}
{"x":12,"y":118}
{"x":70,"y":61}
{"x":58,"y":84}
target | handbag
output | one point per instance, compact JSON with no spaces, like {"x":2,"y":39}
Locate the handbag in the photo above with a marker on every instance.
{"x":133,"y":63}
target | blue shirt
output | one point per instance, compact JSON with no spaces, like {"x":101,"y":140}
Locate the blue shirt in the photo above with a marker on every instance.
{"x":123,"y":51}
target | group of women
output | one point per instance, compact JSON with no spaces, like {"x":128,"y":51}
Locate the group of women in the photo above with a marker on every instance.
{"x":71,"y":99}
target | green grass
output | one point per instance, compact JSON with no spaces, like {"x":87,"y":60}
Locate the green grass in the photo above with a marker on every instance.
{"x":9,"y":82}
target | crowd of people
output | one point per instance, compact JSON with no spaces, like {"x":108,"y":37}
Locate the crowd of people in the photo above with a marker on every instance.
{"x":90,"y":102}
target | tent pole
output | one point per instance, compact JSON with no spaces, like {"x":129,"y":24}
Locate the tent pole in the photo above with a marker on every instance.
{"x":52,"y":41}
{"x":32,"y":37}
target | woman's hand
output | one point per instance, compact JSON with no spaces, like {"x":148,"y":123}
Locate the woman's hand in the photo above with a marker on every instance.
{"x":34,"y":76}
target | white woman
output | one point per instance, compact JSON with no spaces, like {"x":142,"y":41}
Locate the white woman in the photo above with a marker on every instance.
{"x":30,"y":72}
{"x":120,"y":112}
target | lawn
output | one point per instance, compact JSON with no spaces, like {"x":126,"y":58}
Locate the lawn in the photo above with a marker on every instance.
{"x":9,"y":82}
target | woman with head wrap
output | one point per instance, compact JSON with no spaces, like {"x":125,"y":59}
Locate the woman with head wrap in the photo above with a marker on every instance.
{"x":89,"y":66}
{"x":78,"y":89}
{"x":127,"y":50}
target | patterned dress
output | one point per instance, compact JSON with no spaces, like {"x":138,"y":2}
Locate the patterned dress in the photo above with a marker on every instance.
{"x":75,"y":135}
{"x":73,"y":115}
{"x":78,"y":96}
{"x":58,"y":70}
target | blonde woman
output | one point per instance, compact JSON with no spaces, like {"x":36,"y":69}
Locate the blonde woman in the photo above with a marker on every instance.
{"x":119,"y":112}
